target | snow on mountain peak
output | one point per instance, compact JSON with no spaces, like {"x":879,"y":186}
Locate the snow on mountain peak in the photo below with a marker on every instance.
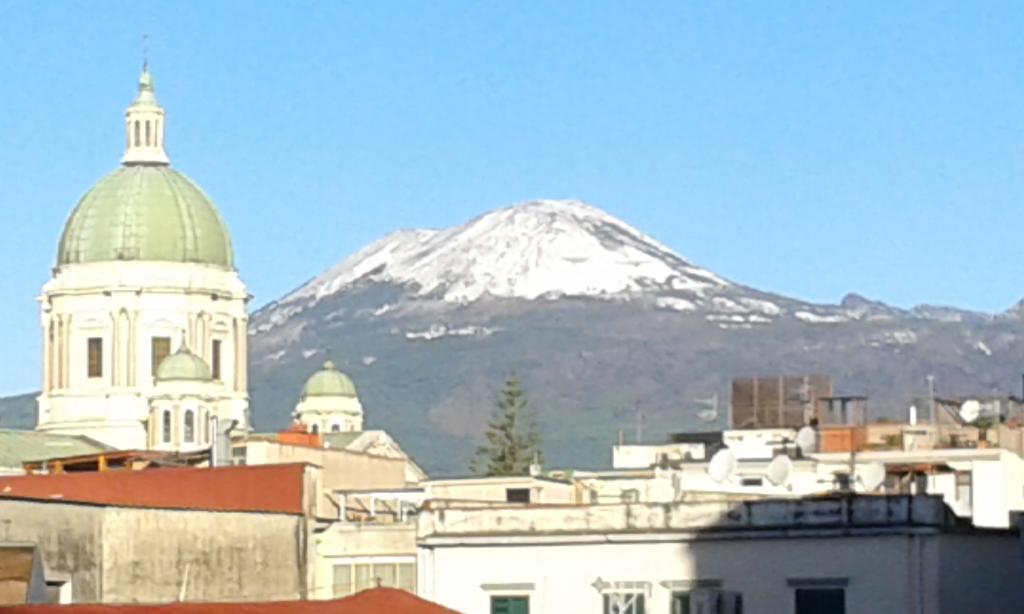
{"x":542,"y":248}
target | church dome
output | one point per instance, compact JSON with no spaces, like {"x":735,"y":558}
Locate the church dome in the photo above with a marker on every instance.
{"x":329,"y":382}
{"x":183,"y":365}
{"x":145,"y":212}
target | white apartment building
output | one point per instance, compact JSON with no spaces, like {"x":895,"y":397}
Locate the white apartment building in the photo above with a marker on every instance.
{"x":985,"y":485}
{"x":837,"y":555}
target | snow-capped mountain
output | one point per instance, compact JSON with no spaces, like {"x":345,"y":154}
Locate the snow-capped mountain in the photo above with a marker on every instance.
{"x":538,"y":249}
{"x":601,"y":322}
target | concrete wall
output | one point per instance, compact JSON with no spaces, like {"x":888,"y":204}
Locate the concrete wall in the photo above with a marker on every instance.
{"x":880,"y":572}
{"x":493,"y":489}
{"x":341,"y":469}
{"x":144,"y":555}
{"x":976,"y":571}
{"x":69,"y":537}
{"x":153,"y":555}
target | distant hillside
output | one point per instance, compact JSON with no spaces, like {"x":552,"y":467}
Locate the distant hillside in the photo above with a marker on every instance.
{"x":18,"y":412}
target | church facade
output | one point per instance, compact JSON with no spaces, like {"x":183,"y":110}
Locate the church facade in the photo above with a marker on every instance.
{"x":145,"y":274}
{"x":145,"y":320}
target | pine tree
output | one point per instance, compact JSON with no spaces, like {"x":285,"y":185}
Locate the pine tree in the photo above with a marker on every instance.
{"x":513,"y":438}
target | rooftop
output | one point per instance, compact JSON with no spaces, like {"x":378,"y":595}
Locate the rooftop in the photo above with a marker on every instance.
{"x":373,"y":601}
{"x":18,"y":447}
{"x":647,"y":520}
{"x":263,"y":488}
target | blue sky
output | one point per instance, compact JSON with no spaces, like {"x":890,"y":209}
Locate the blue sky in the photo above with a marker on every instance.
{"x":810,"y":149}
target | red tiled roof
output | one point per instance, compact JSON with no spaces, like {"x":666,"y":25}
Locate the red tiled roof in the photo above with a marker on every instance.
{"x":256,"y":488}
{"x":373,"y":601}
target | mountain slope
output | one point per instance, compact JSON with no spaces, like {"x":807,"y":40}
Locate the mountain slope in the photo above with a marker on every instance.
{"x":609,"y":329}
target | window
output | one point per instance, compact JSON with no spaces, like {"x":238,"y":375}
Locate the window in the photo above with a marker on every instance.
{"x":624,"y":603}
{"x":510,"y":605}
{"x":351,"y":578}
{"x":819,"y":595}
{"x":407,"y":577}
{"x":335,"y":428}
{"x":314,"y":429}
{"x":517,"y":495}
{"x":706,"y":596}
{"x":190,"y":426}
{"x":751,"y":482}
{"x":363,"y":578}
{"x":342,"y":580}
{"x":95,"y":357}
{"x":136,"y":133}
{"x":681,"y":602}
{"x":149,"y":137}
{"x":215,"y":359}
{"x":165,"y":427}
{"x":963,"y":486}
{"x":160,"y":348}
{"x":824,"y":600}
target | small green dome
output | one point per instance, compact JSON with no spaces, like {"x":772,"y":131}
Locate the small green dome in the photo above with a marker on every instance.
{"x":183,"y":365}
{"x":145,"y":212}
{"x":329,"y":382}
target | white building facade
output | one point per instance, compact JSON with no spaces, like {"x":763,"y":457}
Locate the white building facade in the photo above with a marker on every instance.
{"x":145,"y":265}
{"x":861,"y":555}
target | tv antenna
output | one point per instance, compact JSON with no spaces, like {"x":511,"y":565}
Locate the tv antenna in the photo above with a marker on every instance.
{"x":779,"y":469}
{"x":710,"y":411}
{"x":722,"y":466}
{"x":871,"y":476}
{"x":807,"y":440}
{"x":970,"y":410}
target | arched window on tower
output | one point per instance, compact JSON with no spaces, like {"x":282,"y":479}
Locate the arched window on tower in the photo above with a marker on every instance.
{"x":315,"y":429}
{"x":335,"y":428}
{"x":190,"y":426}
{"x":136,"y":133}
{"x":149,"y":134}
{"x":165,"y":427}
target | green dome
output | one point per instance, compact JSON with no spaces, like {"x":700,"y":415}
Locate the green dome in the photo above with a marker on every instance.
{"x":329,"y":382}
{"x":145,"y":212}
{"x":183,"y":365}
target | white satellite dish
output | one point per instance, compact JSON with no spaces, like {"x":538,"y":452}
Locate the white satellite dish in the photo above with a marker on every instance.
{"x":779,"y":469}
{"x":707,"y":415}
{"x":722,"y":465}
{"x":807,"y":440}
{"x":970,"y":410}
{"x":871,"y":476}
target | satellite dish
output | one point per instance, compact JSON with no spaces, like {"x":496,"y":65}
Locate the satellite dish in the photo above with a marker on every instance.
{"x":779,"y":469}
{"x":970,"y":410}
{"x":722,"y":465}
{"x":807,"y":440}
{"x":871,"y":476}
{"x":707,"y":415}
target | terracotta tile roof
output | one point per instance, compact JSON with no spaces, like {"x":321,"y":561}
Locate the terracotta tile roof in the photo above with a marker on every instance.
{"x":257,"y":488}
{"x":373,"y":601}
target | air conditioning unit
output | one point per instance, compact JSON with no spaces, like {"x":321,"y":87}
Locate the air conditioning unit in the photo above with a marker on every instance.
{"x":715,"y":601}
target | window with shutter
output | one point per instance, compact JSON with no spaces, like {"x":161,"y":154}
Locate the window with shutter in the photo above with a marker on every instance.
{"x":510,"y":605}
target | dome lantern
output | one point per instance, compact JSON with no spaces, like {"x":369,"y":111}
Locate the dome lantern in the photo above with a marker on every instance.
{"x":144,"y":126}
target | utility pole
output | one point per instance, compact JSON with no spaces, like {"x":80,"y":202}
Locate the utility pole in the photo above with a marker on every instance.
{"x":931,"y":399}
{"x":639,"y":423}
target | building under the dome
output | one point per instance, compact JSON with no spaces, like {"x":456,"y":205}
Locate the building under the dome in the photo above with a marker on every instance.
{"x":329,"y":403}
{"x":144,"y":260}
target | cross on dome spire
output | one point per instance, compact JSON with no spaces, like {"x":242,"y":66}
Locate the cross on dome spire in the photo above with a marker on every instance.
{"x":144,"y":125}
